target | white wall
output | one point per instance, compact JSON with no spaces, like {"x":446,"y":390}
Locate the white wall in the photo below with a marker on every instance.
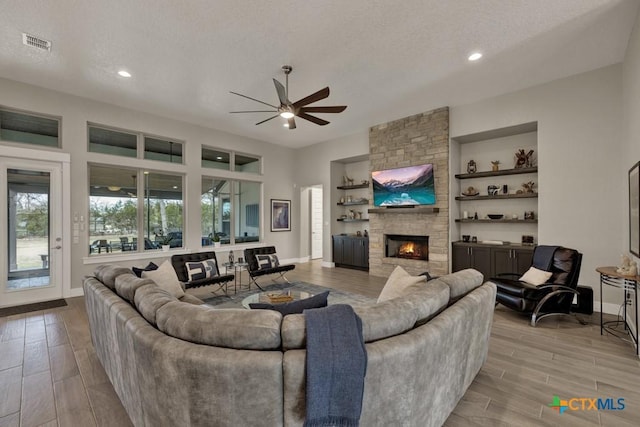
{"x":582,"y":197}
{"x":278,"y":178}
{"x":313,"y":165}
{"x":631,"y":120}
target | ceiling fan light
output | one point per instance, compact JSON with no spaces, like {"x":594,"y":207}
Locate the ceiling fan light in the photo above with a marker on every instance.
{"x":286,"y":125}
{"x":286,"y":115}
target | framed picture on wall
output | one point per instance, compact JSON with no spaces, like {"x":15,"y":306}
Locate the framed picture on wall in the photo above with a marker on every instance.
{"x":634,"y":209}
{"x":280,"y":215}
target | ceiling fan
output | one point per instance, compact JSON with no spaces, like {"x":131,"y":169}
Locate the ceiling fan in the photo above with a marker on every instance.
{"x":289,"y":110}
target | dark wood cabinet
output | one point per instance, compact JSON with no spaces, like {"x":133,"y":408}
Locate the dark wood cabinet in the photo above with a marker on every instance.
{"x":509,"y":260}
{"x":491,"y":260}
{"x":351,"y":252}
{"x":472,"y":256}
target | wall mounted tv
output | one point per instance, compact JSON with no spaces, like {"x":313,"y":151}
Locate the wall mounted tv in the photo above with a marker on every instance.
{"x":408,"y":186}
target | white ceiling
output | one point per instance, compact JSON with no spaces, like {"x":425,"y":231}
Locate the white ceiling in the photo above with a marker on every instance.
{"x":383,"y":59}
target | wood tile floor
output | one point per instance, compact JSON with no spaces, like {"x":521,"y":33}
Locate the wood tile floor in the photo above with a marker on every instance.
{"x":49,"y":373}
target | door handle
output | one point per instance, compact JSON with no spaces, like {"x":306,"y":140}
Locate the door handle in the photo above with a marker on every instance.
{"x":57,"y":247}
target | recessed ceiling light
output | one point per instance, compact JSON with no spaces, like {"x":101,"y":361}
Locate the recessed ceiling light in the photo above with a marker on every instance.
{"x":219,"y":158}
{"x":175,"y":187}
{"x":475,"y":56}
{"x":124,"y":73}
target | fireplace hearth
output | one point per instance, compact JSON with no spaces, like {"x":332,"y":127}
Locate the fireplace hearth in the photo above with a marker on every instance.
{"x":407,"y":247}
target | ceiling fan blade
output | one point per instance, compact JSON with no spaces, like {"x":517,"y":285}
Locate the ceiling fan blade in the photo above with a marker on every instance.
{"x":273,"y":117}
{"x":317,"y":96}
{"x":292,"y":123}
{"x":333,"y":109}
{"x":282,"y":93}
{"x":254,"y":111}
{"x":313,"y":119}
{"x":253,"y":99}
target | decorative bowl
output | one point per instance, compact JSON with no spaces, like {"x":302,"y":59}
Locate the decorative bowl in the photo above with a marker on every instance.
{"x":471,"y":191}
{"x":495,"y":216}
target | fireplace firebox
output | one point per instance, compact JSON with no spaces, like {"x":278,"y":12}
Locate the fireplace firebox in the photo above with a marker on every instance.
{"x":407,"y":247}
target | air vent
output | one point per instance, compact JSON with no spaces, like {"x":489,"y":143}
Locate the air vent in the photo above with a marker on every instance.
{"x":29,"y":40}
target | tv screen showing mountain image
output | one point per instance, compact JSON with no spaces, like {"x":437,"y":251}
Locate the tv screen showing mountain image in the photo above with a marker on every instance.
{"x":409,"y":186}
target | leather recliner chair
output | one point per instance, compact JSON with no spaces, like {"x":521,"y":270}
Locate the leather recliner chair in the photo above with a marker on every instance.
{"x":551,"y":298}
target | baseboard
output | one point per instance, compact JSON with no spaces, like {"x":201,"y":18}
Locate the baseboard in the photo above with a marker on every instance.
{"x":74,"y":292}
{"x":607,"y":307}
{"x":328,"y":264}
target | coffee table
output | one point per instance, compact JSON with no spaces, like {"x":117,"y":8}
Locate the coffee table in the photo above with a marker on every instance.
{"x":263,"y":297}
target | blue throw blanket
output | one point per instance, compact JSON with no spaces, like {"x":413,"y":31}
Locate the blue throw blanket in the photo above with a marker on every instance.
{"x":336,"y":366}
{"x":543,"y":257}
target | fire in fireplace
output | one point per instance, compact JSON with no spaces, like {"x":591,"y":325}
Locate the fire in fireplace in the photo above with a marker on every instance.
{"x":408,"y":247}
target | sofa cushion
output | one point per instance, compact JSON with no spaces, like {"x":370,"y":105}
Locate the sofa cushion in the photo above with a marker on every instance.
{"x":107,"y":274}
{"x":200,"y":270}
{"x":381,"y":320}
{"x":316,"y":301}
{"x":536,"y":277}
{"x":191,"y":299}
{"x":462,"y":282}
{"x":166,"y":278}
{"x":231,"y":328}
{"x":401,"y":283}
{"x":128,"y":284}
{"x":267,"y":261}
{"x":149,"y":298}
{"x":138,"y":271}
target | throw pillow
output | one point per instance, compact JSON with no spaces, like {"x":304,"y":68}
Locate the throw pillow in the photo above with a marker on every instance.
{"x":295,"y":307}
{"x":536,"y":277}
{"x":401,"y":283}
{"x":267,"y":261}
{"x":201,"y":269}
{"x":166,"y":278}
{"x":138,"y":271}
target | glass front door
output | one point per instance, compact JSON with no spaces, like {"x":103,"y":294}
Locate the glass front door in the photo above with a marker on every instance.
{"x":31,"y":231}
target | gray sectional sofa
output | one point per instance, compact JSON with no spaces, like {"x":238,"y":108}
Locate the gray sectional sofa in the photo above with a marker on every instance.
{"x":178,"y":363}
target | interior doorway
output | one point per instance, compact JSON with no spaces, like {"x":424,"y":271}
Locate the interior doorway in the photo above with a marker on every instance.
{"x":316,"y":222}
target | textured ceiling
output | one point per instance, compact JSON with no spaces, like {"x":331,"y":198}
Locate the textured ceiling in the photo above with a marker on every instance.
{"x":383,"y":59}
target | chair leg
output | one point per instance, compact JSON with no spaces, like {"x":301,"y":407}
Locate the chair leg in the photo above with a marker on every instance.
{"x":285,"y":278}
{"x":535,"y":316}
{"x":255,"y":282}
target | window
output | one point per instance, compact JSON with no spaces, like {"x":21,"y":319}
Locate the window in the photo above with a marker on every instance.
{"x":215,"y":159}
{"x":113,"y":209}
{"x":230,"y":205}
{"x":163,"y":209}
{"x":108,"y":141}
{"x":116,"y":209}
{"x":247,"y":163}
{"x":218,"y":159}
{"x":124,"y":143}
{"x":29,"y":128}
{"x":163,"y":150}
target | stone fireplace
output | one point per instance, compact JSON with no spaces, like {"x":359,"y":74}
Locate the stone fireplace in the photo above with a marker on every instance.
{"x":419,"y":139}
{"x":406,"y":247}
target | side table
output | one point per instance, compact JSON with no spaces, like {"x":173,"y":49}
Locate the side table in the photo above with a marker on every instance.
{"x":610,"y":277}
{"x":238,"y":268}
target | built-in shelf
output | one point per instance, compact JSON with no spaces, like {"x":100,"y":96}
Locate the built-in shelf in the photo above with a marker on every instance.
{"x":353,"y":220}
{"x":364,"y":202}
{"x":405,"y":210}
{"x":503,"y":172}
{"x":353,"y":187}
{"x":498,"y":196}
{"x":519,"y":221}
